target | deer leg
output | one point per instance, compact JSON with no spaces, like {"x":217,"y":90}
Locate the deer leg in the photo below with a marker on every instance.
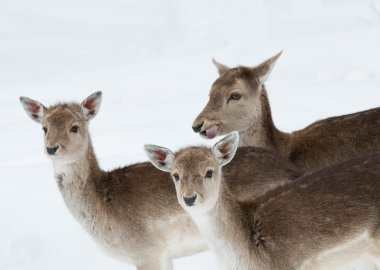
{"x":157,"y":264}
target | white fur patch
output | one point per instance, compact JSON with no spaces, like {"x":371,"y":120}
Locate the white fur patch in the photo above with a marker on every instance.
{"x":229,"y":256}
{"x":342,"y":254}
{"x":63,"y":171}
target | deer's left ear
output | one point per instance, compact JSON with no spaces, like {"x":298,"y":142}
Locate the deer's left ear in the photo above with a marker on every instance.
{"x":221,"y":68}
{"x":225,"y":149}
{"x":91,"y":105}
{"x":160,"y":157}
{"x":263,"y":70}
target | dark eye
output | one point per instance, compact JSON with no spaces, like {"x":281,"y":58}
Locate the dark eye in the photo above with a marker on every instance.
{"x":44,"y":129}
{"x":176,"y":176}
{"x":209,"y":174}
{"x":74,"y":129}
{"x":235,"y":96}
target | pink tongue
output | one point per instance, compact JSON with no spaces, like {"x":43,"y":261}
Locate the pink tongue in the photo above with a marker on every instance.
{"x":212,"y":132}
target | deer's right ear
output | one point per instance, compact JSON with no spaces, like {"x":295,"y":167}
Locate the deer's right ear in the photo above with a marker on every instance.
{"x":91,"y":105}
{"x":33,"y":108}
{"x":160,"y":157}
{"x":263,"y":70}
{"x":225,"y":149}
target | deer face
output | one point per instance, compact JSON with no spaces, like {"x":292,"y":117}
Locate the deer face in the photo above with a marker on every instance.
{"x":196,"y":175}
{"x":65,"y":126}
{"x":196,"y":171}
{"x":234,"y":103}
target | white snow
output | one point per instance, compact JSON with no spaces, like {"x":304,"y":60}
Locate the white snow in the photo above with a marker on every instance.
{"x":152,"y":60}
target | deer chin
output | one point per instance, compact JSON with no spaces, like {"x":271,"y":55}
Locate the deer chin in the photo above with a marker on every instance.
{"x":211,"y":132}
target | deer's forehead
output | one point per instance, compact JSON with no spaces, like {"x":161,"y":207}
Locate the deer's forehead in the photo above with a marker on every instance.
{"x":62,"y":115}
{"x":221,"y":90}
{"x":193,"y":161}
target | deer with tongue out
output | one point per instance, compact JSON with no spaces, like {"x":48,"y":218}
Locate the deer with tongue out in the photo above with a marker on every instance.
{"x":239,"y":102}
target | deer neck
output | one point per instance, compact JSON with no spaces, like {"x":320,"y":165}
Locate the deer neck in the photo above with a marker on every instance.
{"x":263,"y":133}
{"x":77,"y":181}
{"x":226,"y":232}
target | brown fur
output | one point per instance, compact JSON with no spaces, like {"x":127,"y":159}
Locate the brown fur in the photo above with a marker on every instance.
{"x":132,"y":212}
{"x":320,"y":144}
{"x":306,"y":224}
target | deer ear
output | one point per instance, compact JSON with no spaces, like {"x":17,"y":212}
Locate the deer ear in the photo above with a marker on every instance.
{"x":225,"y":149}
{"x":33,"y":108}
{"x":221,"y":68}
{"x":91,"y":105}
{"x":160,"y":157}
{"x":263,"y":70}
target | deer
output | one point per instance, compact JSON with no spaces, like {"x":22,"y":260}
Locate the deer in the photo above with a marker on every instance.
{"x":131,"y":212}
{"x":322,"y":220}
{"x":238,"y":101}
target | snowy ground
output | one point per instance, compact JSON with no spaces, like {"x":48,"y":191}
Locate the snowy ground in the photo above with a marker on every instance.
{"x":152,"y":60}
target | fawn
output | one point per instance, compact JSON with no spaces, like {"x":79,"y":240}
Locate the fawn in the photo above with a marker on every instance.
{"x":322,"y":220}
{"x":132,"y":212}
{"x":239,"y":102}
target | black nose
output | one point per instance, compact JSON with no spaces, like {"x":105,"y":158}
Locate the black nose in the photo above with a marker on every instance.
{"x":52,"y":150}
{"x":198,"y":128}
{"x":190,"y":200}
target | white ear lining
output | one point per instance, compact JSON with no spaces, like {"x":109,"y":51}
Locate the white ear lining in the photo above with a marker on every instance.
{"x":162,"y":164}
{"x":34,"y":109}
{"x":231,"y":141}
{"x":91,"y":105}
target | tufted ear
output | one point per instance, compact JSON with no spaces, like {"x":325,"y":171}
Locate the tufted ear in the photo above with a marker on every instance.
{"x":225,"y":149}
{"x":160,"y":157}
{"x":33,"y":108}
{"x":91,"y":105}
{"x":221,"y":68}
{"x":263,"y":70}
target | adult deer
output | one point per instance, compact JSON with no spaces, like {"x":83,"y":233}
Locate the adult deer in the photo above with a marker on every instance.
{"x":132,"y":212}
{"x":322,"y":220}
{"x":239,"y":102}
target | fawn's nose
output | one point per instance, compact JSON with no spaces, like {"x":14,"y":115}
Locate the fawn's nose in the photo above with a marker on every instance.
{"x":198,"y":128}
{"x":190,"y":200}
{"x":52,"y":150}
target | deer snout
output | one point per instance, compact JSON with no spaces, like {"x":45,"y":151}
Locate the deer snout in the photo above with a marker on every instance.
{"x":51,"y":150}
{"x":198,"y":127}
{"x":189,"y":201}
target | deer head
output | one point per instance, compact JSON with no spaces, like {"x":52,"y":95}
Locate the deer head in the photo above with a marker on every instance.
{"x":65,"y":125}
{"x":196,"y":171}
{"x":234,"y":103}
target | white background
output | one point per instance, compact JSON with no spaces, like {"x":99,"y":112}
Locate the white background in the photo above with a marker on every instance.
{"x":152,"y":60}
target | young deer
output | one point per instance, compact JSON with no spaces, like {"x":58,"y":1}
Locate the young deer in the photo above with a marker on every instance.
{"x":320,"y":221}
{"x":132,"y":212}
{"x":239,"y":102}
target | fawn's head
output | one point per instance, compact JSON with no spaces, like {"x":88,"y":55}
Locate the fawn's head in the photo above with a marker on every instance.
{"x":65,"y":125}
{"x":196,"y":171}
{"x":234,"y":102}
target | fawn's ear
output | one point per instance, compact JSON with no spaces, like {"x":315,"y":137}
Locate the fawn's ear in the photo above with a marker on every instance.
{"x":221,"y":68}
{"x":33,"y":108}
{"x":160,"y":157}
{"x":91,"y":105}
{"x":225,"y":149}
{"x":263,"y":70}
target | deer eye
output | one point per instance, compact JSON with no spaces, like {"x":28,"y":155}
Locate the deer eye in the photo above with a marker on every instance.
{"x":74,"y":129}
{"x":176,"y":176}
{"x":235,"y":96}
{"x":44,"y":129}
{"x":209,"y":174}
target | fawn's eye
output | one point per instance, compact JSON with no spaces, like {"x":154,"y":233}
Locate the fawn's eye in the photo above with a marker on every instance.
{"x":44,"y":129}
{"x":235,"y":96}
{"x":176,"y":176}
{"x":209,"y":174}
{"x":74,"y":129}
